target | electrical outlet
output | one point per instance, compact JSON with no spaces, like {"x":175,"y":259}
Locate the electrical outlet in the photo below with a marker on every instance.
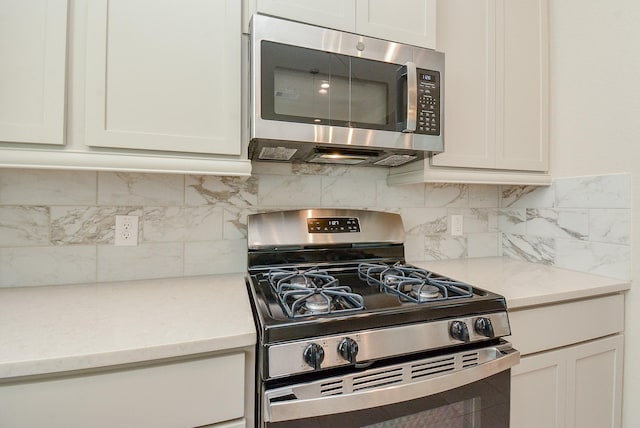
{"x":457,"y":225}
{"x":126,"y":230}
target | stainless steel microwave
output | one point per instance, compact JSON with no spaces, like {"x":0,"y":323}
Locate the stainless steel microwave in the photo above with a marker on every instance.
{"x":326,"y":96}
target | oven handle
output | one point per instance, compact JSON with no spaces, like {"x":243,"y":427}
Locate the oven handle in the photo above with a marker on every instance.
{"x":288,"y":407}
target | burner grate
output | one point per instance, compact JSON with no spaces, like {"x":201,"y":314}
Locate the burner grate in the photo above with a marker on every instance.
{"x":413,"y":284}
{"x":312,"y":292}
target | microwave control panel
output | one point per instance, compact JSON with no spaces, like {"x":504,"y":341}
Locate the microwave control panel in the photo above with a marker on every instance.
{"x":428,"y":114}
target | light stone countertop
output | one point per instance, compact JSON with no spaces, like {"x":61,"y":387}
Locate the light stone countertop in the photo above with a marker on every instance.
{"x":74,"y":327}
{"x":525,"y":284}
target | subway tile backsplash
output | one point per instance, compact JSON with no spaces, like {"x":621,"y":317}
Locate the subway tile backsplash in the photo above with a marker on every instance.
{"x":56,"y":227}
{"x":578,"y":223}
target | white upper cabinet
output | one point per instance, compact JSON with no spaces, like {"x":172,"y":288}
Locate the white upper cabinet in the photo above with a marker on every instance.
{"x":33,"y":58}
{"x":522,"y":139}
{"x":123,"y":85}
{"x":338,"y":14}
{"x":496,"y":95}
{"x":404,"y":21}
{"x":465,"y":32}
{"x":164,"y":75}
{"x":496,"y":84}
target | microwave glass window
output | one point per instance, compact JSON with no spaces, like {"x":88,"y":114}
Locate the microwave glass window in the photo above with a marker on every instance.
{"x":325,"y":97}
{"x":369,"y":102}
{"x":311,"y":86}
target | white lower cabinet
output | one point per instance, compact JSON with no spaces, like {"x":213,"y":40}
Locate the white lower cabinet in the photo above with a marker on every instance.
{"x":188,"y":393}
{"x":570,"y":373}
{"x":578,"y":386}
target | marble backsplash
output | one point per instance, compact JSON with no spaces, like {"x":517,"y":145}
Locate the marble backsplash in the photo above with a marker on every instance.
{"x":56,"y":227}
{"x":578,"y":223}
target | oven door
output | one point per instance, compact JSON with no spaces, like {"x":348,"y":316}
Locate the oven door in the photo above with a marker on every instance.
{"x":468,"y":389}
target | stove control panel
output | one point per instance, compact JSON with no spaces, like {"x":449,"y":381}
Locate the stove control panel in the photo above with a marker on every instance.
{"x":324,"y":352}
{"x":333,"y":225}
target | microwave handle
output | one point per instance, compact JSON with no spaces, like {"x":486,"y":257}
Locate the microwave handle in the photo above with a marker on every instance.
{"x":412,"y":97}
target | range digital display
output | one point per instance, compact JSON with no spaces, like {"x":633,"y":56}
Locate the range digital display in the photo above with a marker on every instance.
{"x":333,"y":225}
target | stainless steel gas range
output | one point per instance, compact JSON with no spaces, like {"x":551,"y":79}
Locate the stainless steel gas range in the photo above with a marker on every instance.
{"x":351,"y":335}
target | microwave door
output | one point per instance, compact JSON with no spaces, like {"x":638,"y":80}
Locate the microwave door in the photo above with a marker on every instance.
{"x":310,"y":86}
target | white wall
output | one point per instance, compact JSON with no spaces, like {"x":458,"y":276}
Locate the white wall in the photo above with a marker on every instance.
{"x":595,"y":121}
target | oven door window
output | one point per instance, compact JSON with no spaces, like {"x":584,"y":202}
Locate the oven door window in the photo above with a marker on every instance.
{"x":484,"y":403}
{"x":311,"y":86}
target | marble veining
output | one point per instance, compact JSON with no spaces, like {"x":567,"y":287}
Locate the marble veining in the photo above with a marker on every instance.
{"x":24,"y":225}
{"x":513,"y":221}
{"x":527,"y":197}
{"x":290,"y":191}
{"x":44,"y":187}
{"x":124,"y":188}
{"x":579,"y":223}
{"x":86,"y":225}
{"x":62,"y":221}
{"x":612,"y":226}
{"x":440,"y":247}
{"x":557,"y":223}
{"x":446,"y":195}
{"x":225,"y":191}
{"x":170,"y":224}
{"x":601,"y":191}
{"x":420,"y":221}
{"x":345,"y":191}
{"x":528,"y":248}
{"x":483,"y":196}
{"x":26,"y":266}
{"x":593,"y":257}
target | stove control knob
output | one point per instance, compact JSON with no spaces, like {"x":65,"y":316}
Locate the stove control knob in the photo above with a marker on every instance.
{"x":459,"y":331}
{"x":348,"y":349}
{"x":483,"y":327}
{"x":313,"y":355}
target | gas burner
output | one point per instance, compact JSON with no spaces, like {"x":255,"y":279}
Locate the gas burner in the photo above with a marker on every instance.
{"x":412,"y":284}
{"x":312,"y":292}
{"x":425,"y":292}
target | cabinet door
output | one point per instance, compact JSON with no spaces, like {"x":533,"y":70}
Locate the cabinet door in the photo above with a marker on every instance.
{"x":33,"y":58}
{"x":338,"y":14}
{"x":577,"y":386}
{"x":404,"y":21}
{"x":164,"y":75}
{"x":595,"y":383}
{"x":522,"y":72}
{"x":538,"y":394}
{"x":466,"y":34}
{"x":496,"y":84}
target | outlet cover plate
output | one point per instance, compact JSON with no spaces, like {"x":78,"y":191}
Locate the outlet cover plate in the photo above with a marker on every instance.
{"x":457,"y":225}
{"x":126,"y":230}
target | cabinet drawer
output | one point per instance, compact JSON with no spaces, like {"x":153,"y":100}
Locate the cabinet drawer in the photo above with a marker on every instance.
{"x":547,"y":327}
{"x":187,"y":393}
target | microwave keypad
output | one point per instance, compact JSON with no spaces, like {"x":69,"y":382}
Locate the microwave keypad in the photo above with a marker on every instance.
{"x":428,"y":102}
